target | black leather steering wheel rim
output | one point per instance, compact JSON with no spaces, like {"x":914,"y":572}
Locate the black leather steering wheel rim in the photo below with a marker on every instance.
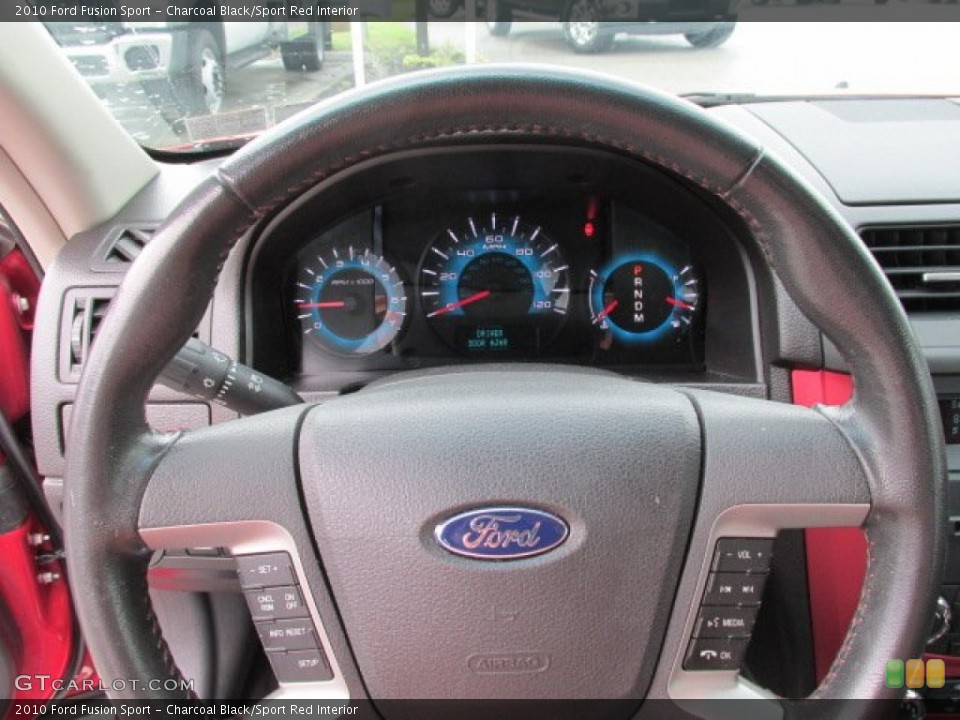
{"x":891,"y":421}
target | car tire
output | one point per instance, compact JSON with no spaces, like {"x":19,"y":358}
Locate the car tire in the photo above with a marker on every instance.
{"x":583,"y":29}
{"x":714,"y":37}
{"x":200,"y":88}
{"x":305,"y":55}
{"x":499,"y":18}
{"x":443,"y":9}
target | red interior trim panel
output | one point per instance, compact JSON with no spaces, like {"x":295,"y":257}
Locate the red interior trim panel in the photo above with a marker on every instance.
{"x":836,"y":557}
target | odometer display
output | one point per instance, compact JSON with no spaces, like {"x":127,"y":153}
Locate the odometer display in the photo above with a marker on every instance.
{"x":486,"y":278}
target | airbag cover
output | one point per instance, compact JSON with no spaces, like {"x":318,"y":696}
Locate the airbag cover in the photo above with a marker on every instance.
{"x":617,"y":460}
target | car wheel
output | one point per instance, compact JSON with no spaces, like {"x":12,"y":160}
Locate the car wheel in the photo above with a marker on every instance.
{"x":443,"y":8}
{"x":305,"y":54}
{"x":499,"y":18}
{"x":583,"y":29}
{"x":714,"y":37}
{"x":200,"y":89}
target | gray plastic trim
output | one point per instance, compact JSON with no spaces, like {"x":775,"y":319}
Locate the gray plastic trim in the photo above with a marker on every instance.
{"x":258,"y":536}
{"x":691,"y":689}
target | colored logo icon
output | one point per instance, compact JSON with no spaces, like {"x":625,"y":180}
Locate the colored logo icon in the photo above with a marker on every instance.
{"x":915,"y":673}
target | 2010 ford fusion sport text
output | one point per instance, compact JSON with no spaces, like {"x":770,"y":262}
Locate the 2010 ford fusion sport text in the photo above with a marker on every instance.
{"x":411,"y":359}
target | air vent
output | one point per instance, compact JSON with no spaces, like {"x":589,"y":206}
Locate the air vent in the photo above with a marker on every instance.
{"x":83,"y":323}
{"x":921,"y":262}
{"x":127,"y":244}
{"x":84,"y":310}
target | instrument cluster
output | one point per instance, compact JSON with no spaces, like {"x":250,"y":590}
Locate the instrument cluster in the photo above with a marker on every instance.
{"x":580,"y":279}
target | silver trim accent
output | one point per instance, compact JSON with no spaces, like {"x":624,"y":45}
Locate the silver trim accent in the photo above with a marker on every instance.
{"x":254,"y":537}
{"x":946,"y":618}
{"x":689,"y":689}
{"x":941,"y":277}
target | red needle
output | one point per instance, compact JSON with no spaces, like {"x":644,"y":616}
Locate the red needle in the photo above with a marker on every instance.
{"x":330,"y":304}
{"x":606,"y":311}
{"x":679,"y":303}
{"x":460,"y":303}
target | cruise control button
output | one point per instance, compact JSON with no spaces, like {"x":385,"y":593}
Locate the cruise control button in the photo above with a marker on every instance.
{"x":267,"y":570}
{"x":714,"y":654}
{"x":746,"y":555}
{"x":725,"y":622}
{"x":276,"y":603}
{"x":300,"y":666}
{"x":734,"y":589}
{"x":294,"y":634}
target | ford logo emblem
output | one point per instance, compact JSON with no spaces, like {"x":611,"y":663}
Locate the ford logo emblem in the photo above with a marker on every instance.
{"x":501,"y":533}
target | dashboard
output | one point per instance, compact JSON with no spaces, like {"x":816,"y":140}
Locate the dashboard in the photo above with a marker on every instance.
{"x":458,"y":258}
{"x":524,"y":254}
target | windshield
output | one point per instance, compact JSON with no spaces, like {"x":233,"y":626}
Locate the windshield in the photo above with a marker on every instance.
{"x":193,"y":86}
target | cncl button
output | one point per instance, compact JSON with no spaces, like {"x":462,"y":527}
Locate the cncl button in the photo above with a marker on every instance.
{"x":276,"y":603}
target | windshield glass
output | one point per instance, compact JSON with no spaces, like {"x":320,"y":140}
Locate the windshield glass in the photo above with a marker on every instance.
{"x":193,"y":86}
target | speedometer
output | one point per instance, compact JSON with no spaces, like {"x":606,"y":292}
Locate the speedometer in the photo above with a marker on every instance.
{"x":495,"y":284}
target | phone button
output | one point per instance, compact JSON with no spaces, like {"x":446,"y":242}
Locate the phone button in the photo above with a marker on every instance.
{"x":721,"y":654}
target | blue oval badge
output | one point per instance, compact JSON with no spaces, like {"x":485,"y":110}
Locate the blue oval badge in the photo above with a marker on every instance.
{"x":501,"y":533}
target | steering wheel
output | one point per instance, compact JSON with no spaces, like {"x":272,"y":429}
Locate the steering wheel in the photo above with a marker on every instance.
{"x":647,"y":479}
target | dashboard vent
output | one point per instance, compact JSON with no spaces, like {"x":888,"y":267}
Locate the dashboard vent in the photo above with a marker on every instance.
{"x":922,"y":263}
{"x":129,"y":242}
{"x":87,"y":314}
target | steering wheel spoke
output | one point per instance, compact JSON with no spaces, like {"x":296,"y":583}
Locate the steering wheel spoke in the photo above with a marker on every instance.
{"x":758,"y":452}
{"x":240,"y":471}
{"x":767,"y":467}
{"x":234,"y":486}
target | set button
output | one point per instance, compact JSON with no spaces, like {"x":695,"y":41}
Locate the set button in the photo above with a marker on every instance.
{"x":267,"y":570}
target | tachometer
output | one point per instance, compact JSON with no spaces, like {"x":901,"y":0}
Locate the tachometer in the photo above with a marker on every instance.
{"x":350,"y":301}
{"x":642,"y":298}
{"x":495,"y":284}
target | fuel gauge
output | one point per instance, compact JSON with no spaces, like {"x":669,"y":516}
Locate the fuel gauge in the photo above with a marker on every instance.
{"x":643,"y":299}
